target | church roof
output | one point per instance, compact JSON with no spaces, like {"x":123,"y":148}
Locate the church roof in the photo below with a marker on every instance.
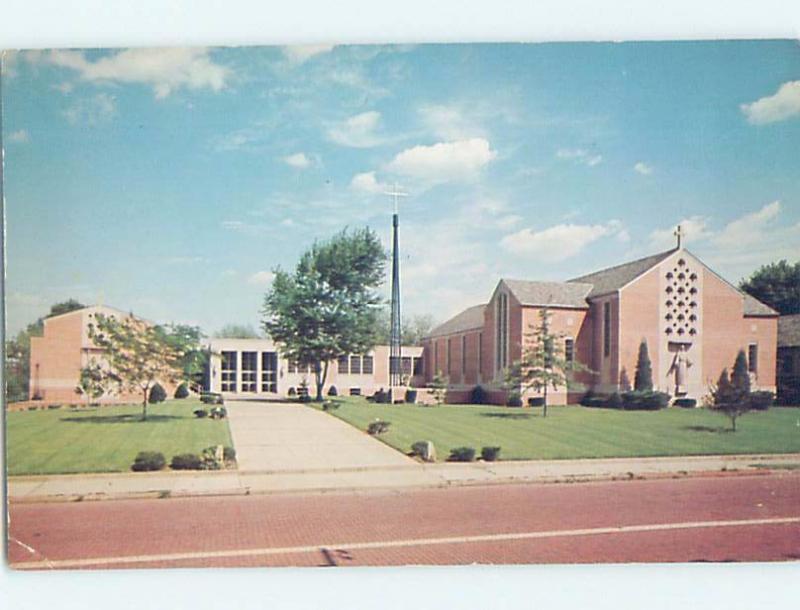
{"x":754,"y":307}
{"x":553,"y":294}
{"x":469,"y":319}
{"x":612,"y":279}
{"x":789,"y":331}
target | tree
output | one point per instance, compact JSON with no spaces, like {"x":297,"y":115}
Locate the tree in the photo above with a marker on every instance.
{"x":92,"y":383}
{"x":624,"y":381}
{"x":740,"y":377}
{"x":413,"y":330}
{"x":543,"y":365}
{"x":328,"y":306}
{"x":777,"y":285}
{"x":237,"y":331}
{"x":643,"y":378}
{"x":18,"y":352}
{"x":438,"y":386}
{"x":138,"y":354}
{"x":729,"y":400}
{"x":187,"y":340}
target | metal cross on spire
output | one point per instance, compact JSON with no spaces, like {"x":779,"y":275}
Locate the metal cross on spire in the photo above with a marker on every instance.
{"x":395,"y":369}
{"x":679,"y":234}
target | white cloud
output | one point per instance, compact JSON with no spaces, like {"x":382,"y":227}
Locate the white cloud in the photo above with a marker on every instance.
{"x":748,"y":229}
{"x":693,"y":228}
{"x":66,"y":88}
{"x":643,"y":168}
{"x":444,"y":161}
{"x":557,"y":243}
{"x":165,"y":70}
{"x":301,"y":53}
{"x":579,"y":155}
{"x":367,"y":183}
{"x":260,"y":278}
{"x":448,"y":122}
{"x":233,"y":225}
{"x":95,"y":110}
{"x":358,"y":131}
{"x":782,"y":105}
{"x":20,"y":136}
{"x":298,"y":160}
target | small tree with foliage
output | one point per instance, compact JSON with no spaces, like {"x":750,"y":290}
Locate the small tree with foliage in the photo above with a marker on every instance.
{"x":92,"y":383}
{"x":740,"y":377}
{"x":438,"y":386}
{"x":329,"y":305}
{"x":624,"y":381}
{"x":543,"y":364}
{"x":643,"y":379}
{"x":728,"y":399}
{"x":138,"y":354}
{"x":777,"y":285}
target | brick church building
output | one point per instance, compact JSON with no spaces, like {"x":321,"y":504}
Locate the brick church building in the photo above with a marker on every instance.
{"x":693,"y":321}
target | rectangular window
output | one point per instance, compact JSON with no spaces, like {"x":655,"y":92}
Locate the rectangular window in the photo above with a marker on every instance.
{"x":342,"y":365}
{"x":355,"y":365}
{"x":405,"y":365}
{"x":752,"y":358}
{"x":501,"y":324}
{"x":449,"y":354}
{"x":463,"y":356}
{"x":418,"y":366}
{"x":269,"y":370}
{"x":569,"y":350}
{"x":480,"y":355}
{"x":291,"y":367}
{"x":367,"y":365}
{"x":229,"y":371}
{"x":249,"y":371}
{"x":606,"y":329}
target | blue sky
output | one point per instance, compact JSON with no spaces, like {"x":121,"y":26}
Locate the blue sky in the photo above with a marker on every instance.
{"x":171,"y":182}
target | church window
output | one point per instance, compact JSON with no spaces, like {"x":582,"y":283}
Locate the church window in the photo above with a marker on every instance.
{"x":606,"y":329}
{"x":752,"y":358}
{"x":367,"y":365}
{"x":569,"y":350}
{"x":501,"y":324}
{"x":355,"y":365}
{"x":463,"y":355}
{"x":342,"y":365}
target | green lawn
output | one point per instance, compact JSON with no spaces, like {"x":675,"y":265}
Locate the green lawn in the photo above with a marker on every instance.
{"x":105,"y":439}
{"x":578,"y":432}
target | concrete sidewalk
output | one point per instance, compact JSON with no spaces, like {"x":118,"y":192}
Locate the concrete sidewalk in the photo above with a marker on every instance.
{"x":177,"y":484}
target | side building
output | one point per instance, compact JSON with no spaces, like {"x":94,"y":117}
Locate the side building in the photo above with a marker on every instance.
{"x":789,"y":359}
{"x":255,"y":368}
{"x":693,"y":322}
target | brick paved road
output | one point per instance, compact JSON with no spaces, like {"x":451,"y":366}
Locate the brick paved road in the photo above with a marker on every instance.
{"x":743,"y":518}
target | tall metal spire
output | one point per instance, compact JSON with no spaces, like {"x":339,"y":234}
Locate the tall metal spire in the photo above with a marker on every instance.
{"x":395,"y":370}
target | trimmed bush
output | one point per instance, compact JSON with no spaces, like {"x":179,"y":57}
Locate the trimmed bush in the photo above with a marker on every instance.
{"x":645,"y":401}
{"x":330,"y":405}
{"x":200,"y":413}
{"x":514,"y":400}
{"x":761,"y":400}
{"x":462,"y":454}
{"x":685,"y":403}
{"x":536,"y":401}
{"x":229,"y":454}
{"x":614,"y":401}
{"x":381,"y":396}
{"x":332,"y":391}
{"x":490,"y":454}
{"x":218,"y":413}
{"x":157,"y":394}
{"x":148,"y":461}
{"x":210,"y":460}
{"x":411,"y":396}
{"x":378,"y":427}
{"x":186,"y":461}
{"x":211,"y":398}
{"x":53,"y":406}
{"x":292,"y":392}
{"x":419,"y":448}
{"x":478,"y":396}
{"x":182,"y":391}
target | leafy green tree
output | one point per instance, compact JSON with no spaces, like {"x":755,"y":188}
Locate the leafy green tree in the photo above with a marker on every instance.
{"x":412,"y":330}
{"x":777,"y":285}
{"x":728,"y":399}
{"x":740,"y":377}
{"x":138,"y":355}
{"x":187,"y":340}
{"x":18,"y":352}
{"x":328,"y":306}
{"x":544,"y":363}
{"x":237,"y":331}
{"x":92,"y":383}
{"x":438,"y":386}
{"x":643,"y":378}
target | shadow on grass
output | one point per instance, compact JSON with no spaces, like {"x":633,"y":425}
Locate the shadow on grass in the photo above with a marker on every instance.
{"x":120,"y":419}
{"x":714,"y":429}
{"x":509,"y":415}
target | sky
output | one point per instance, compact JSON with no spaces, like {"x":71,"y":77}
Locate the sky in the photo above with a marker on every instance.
{"x":172,"y":182}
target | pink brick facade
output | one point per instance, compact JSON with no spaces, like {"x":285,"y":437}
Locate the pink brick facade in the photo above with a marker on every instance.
{"x":689,"y":317}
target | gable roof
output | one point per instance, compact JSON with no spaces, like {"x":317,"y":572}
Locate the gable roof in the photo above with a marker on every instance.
{"x":789,"y":331}
{"x":553,"y":294}
{"x":612,"y":279}
{"x":469,"y":319}
{"x":754,"y":307}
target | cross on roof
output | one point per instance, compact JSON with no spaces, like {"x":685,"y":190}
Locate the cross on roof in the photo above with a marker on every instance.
{"x":679,"y":234}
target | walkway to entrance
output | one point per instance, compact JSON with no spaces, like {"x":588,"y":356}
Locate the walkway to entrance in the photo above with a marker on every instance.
{"x":273,"y":436}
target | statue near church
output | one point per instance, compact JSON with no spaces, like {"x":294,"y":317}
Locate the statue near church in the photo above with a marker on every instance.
{"x":680,"y":368}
